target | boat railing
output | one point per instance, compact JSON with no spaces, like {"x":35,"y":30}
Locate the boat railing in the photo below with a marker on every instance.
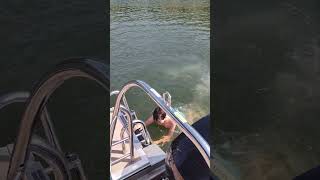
{"x":122,"y":140}
{"x":73,"y":68}
{"x":200,"y":143}
{"x":124,"y":99}
{"x":167,"y":97}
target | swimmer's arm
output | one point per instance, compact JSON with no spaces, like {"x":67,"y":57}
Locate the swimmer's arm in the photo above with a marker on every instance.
{"x":149,"y":121}
{"x":166,"y":138}
{"x":171,"y":130}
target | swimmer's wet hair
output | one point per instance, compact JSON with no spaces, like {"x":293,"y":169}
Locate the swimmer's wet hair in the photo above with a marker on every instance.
{"x":157,"y":114}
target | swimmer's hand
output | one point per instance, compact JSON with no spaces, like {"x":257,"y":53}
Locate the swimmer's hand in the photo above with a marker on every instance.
{"x":163,"y":140}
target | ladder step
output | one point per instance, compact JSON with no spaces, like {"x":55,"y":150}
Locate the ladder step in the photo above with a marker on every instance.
{"x":120,"y":141}
{"x":118,"y":160}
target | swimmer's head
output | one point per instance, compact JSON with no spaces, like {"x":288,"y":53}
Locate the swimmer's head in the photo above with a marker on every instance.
{"x":158,"y":114}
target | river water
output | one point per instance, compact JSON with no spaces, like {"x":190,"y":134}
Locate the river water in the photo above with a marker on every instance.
{"x":266,"y":103}
{"x":165,"y":44}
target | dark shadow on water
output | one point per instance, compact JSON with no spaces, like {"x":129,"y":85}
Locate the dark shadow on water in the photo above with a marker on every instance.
{"x":36,"y":35}
{"x":267,"y":88}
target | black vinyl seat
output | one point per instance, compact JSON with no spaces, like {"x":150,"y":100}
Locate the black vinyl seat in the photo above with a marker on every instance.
{"x":187,"y":158}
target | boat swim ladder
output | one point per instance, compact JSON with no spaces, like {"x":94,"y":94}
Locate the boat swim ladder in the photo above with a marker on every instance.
{"x":200,"y":143}
{"x":129,"y":119}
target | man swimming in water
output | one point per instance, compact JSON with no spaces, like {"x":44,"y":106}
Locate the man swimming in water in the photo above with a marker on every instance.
{"x":160,"y":118}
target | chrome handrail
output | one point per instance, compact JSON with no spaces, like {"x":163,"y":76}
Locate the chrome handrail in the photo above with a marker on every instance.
{"x":11,"y":98}
{"x":73,"y":68}
{"x":114,"y":93}
{"x":168,"y":100}
{"x":21,"y":97}
{"x":200,"y":143}
{"x":129,"y":128}
{"x":124,"y":99}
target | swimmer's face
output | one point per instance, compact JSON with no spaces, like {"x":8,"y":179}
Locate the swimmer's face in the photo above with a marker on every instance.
{"x":161,"y":121}
{"x":162,"y":117}
{"x":165,"y":120}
